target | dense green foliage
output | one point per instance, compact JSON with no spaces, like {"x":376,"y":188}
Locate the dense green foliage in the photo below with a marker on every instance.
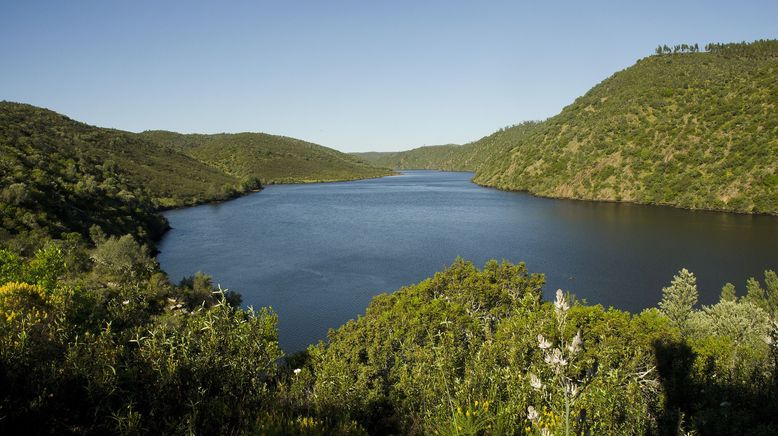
{"x":59,"y":176}
{"x":479,"y":352}
{"x":268,"y":158}
{"x":96,"y":340}
{"x":692,"y":130}
{"x":109,"y":346}
{"x":695,"y":130}
{"x":36,"y":138}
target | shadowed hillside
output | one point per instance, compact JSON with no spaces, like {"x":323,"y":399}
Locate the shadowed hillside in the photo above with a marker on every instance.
{"x":59,"y":175}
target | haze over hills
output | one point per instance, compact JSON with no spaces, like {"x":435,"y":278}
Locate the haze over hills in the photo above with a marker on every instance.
{"x":692,"y":130}
{"x":268,"y":158}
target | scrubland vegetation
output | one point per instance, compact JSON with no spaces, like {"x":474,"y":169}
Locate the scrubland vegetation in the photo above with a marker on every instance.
{"x":269,"y":158}
{"x":690,"y":129}
{"x":95,"y":339}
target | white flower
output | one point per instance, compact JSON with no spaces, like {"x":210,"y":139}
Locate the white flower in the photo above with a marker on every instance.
{"x":555,"y":358}
{"x":126,"y":302}
{"x":296,"y":371}
{"x":532,"y":414}
{"x":575,"y":344}
{"x":560,"y":303}
{"x":543,"y":343}
{"x":571,"y":389}
{"x":535,"y":382}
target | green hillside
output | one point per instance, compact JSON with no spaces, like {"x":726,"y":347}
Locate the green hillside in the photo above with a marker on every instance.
{"x":693,"y":130}
{"x":60,"y":176}
{"x":269,"y":158}
{"x":171,"y":177}
{"x":450,"y":157}
{"x":689,"y":129}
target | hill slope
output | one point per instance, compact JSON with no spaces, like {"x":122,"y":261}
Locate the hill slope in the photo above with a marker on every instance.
{"x":450,"y":157}
{"x":693,"y":130}
{"x":269,"y":158}
{"x":171,"y":177}
{"x":55,"y":177}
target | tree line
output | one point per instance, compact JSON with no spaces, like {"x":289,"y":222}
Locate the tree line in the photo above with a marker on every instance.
{"x":764,"y":47}
{"x":678,"y":48}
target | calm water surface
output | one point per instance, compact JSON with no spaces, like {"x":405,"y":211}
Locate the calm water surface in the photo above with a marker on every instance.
{"x":318,"y":253}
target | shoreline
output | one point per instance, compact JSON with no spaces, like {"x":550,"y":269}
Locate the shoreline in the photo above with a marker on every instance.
{"x":235,"y":196}
{"x":591,"y":200}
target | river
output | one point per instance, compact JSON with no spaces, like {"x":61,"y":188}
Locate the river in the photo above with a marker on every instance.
{"x":318,"y":253}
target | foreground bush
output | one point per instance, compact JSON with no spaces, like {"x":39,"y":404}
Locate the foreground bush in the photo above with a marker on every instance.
{"x":92,"y":351}
{"x":474,"y":352}
{"x":76,"y":357}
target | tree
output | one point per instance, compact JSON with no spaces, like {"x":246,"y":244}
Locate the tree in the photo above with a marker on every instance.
{"x":771,"y":281}
{"x":742,"y":322}
{"x":766,"y":298}
{"x":46,"y":267}
{"x":122,"y":260}
{"x":755,"y":294}
{"x":728,"y":293}
{"x":678,"y":299}
{"x":199,"y":289}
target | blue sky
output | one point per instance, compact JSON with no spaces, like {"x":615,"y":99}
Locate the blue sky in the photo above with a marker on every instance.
{"x":352,"y":75}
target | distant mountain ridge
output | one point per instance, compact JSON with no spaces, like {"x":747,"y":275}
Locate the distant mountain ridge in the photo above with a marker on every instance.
{"x":450,"y":157}
{"x":691,"y":130}
{"x":268,"y":158}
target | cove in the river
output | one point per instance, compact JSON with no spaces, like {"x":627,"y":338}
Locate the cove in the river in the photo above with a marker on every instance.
{"x":318,"y":253}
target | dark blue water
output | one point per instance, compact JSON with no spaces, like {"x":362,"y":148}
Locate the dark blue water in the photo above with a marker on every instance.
{"x":318,"y":253}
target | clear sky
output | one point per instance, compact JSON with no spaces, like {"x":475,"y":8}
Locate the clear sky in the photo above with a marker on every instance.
{"x":352,"y":75}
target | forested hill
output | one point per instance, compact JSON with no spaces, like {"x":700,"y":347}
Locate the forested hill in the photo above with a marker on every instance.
{"x":688,"y":129}
{"x":171,"y":177}
{"x":59,"y":176}
{"x":695,"y":130}
{"x":269,"y":158}
{"x":450,"y":157}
